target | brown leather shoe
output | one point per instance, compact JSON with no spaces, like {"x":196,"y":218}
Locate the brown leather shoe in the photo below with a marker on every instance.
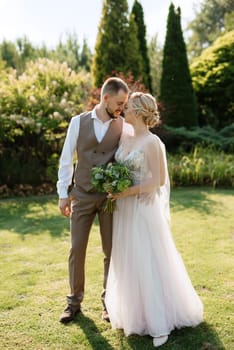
{"x":69,"y":314}
{"x":105,"y":316}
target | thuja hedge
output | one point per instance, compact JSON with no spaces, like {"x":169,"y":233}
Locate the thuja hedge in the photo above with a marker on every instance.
{"x":184,"y":140}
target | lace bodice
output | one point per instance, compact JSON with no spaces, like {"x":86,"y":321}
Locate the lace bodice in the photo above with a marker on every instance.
{"x":135,"y":161}
{"x":144,"y":164}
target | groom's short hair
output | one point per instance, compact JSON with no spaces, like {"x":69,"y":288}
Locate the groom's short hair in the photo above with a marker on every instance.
{"x":113,"y":85}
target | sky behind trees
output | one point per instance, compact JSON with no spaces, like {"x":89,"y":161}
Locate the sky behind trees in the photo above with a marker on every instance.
{"x":46,"y":21}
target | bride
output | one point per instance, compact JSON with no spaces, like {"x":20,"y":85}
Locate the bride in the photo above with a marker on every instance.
{"x":148,"y":288}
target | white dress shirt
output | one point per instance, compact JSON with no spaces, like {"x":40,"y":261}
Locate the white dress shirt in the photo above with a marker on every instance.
{"x":66,"y":160}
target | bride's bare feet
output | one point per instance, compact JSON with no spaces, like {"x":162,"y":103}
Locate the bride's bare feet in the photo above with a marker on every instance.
{"x":158,"y":341}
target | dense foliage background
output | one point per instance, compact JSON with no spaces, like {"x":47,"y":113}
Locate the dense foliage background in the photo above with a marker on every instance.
{"x":41,"y":89}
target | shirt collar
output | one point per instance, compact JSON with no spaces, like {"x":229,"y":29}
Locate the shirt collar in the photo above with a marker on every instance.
{"x":94,"y":116}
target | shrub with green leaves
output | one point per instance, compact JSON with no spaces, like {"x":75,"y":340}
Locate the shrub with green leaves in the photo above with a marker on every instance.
{"x":35,"y":109}
{"x":213,"y":81}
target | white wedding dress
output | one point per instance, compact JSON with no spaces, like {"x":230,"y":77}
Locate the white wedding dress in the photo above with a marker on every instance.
{"x":148,"y":288}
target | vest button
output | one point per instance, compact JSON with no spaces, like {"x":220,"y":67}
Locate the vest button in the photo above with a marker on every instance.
{"x":95,"y":151}
{"x":103,"y":152}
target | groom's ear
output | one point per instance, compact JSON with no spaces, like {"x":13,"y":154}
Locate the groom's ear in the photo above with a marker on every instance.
{"x":105,"y":97}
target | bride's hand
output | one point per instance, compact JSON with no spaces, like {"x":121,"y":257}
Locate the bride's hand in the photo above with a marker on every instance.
{"x":118,"y":195}
{"x":112,"y":197}
{"x":147,"y":198}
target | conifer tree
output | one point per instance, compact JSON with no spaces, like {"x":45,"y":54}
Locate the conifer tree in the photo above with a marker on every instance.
{"x":134,"y":61}
{"x":85,"y":56}
{"x":138,"y":13}
{"x":112,"y":44}
{"x":176,"y":91}
{"x":155,"y":51}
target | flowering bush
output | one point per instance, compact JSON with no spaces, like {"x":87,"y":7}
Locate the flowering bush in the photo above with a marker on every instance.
{"x":35,"y":109}
{"x":113,"y":178}
{"x":42,"y":99}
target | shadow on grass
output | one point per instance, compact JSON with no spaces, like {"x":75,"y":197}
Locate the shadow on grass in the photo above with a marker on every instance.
{"x":92,"y":333}
{"x":202,"y":337}
{"x":197,"y":198}
{"x":33,"y":215}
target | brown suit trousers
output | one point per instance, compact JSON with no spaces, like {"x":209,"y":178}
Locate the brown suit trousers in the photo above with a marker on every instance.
{"x":85,"y":206}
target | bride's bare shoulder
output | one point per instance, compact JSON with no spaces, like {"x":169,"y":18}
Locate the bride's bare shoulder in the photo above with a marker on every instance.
{"x":125,"y":139}
{"x":154,"y":140}
{"x":153,"y":143}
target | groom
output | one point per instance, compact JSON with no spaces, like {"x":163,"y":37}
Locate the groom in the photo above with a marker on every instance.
{"x":94,"y":136}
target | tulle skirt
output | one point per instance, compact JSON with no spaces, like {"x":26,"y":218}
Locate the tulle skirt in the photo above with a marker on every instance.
{"x":148,"y":288}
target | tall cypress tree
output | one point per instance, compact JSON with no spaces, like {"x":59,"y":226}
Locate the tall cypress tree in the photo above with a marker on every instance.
{"x":112,"y":45}
{"x":134,"y":61}
{"x":176,"y":91}
{"x":137,"y":12}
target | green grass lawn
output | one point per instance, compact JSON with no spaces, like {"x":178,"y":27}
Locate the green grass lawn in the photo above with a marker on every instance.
{"x":34,"y":246}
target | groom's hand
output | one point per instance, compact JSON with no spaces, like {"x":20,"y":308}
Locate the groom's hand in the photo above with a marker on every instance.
{"x":65,"y":206}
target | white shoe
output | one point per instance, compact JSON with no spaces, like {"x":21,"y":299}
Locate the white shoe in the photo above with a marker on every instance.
{"x":158,"y":341}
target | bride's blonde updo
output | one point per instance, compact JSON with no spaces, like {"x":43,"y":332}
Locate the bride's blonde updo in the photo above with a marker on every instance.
{"x":145,"y":105}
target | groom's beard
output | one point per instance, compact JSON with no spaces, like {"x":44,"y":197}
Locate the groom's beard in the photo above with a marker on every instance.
{"x":113,"y":115}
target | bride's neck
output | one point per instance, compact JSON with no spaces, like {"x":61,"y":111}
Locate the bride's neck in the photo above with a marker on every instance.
{"x":141,"y":130}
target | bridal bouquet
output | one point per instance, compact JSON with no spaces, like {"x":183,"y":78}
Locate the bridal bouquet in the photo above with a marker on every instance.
{"x":112,"y":178}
